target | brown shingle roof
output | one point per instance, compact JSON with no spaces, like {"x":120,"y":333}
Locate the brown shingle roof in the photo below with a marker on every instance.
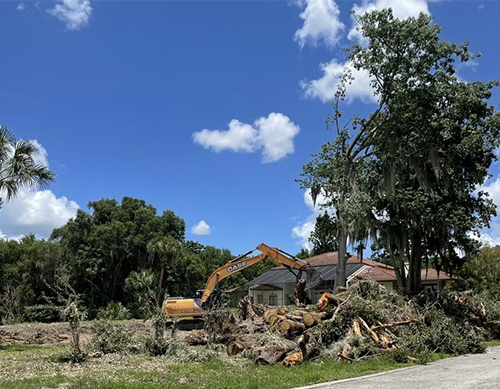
{"x":376,"y":271}
{"x":265,"y":287}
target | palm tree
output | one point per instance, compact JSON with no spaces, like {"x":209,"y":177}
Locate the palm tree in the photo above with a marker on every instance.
{"x":167,"y":248}
{"x":18,"y":168}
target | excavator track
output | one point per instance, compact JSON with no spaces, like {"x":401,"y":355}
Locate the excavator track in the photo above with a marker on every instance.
{"x":187,"y":324}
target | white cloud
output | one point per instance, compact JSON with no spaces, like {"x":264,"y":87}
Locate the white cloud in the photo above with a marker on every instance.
{"x":491,"y":236}
{"x":325,"y":87}
{"x":37,"y":212}
{"x":40,"y":157}
{"x":276,"y":133}
{"x":239,"y":137}
{"x":75,"y":13}
{"x":201,"y":228}
{"x":21,"y":7}
{"x":321,"y":23}
{"x":273,"y":135}
{"x":402,"y":9}
{"x":303,"y":230}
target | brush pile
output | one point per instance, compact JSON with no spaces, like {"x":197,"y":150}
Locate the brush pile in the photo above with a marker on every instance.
{"x":362,"y":322}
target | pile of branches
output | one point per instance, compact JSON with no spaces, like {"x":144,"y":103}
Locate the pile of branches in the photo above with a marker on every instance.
{"x":362,"y":322}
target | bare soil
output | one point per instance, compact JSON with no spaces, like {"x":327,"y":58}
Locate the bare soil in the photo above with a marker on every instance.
{"x":50,"y":333}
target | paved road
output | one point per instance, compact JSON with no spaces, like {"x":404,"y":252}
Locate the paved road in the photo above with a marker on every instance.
{"x":480,"y":371}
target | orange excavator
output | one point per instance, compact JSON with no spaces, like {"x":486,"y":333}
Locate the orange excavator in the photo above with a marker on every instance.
{"x":195,"y":307}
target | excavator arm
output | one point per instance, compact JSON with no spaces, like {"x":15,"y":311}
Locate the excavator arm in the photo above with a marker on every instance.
{"x":242,"y":262}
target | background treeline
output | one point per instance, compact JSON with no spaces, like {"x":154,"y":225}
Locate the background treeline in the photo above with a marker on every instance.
{"x":108,"y":256}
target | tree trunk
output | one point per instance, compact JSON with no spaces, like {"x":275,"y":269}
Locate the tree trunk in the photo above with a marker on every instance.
{"x":341,"y":278}
{"x":160,"y":282}
{"x":414,"y":271}
{"x":399,"y":268}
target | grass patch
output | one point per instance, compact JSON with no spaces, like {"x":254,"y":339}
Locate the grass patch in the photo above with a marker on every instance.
{"x":157,"y":373}
{"x":160,"y":373}
{"x":214,"y":374}
{"x":492,"y":343}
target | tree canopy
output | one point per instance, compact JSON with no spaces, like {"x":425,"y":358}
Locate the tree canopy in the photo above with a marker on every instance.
{"x":324,"y":237}
{"x":408,"y":172}
{"x":114,"y":253}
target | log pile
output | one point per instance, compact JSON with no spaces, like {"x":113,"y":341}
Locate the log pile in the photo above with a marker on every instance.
{"x":359,"y":323}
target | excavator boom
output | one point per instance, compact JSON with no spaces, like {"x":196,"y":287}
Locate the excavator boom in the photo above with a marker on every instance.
{"x":239,"y":264}
{"x":190,"y":307}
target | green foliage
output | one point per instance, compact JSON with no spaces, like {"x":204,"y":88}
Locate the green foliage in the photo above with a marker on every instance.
{"x":110,"y":337}
{"x":139,"y":288}
{"x":113,"y":311}
{"x":112,"y":255}
{"x":19,"y":167}
{"x":442,"y":335}
{"x":113,"y":241}
{"x":42,"y":313}
{"x":324,"y":235}
{"x":303,"y":254}
{"x":408,"y":172}
{"x":481,"y":272}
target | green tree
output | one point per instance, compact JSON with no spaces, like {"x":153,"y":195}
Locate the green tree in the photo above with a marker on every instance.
{"x":18,"y":166}
{"x":303,"y":254}
{"x":167,"y":248}
{"x":324,"y":236}
{"x":103,"y":247}
{"x":482,"y":272}
{"x":409,"y":171}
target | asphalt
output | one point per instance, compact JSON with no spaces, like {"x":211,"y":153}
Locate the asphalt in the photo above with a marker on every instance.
{"x":479,"y":371}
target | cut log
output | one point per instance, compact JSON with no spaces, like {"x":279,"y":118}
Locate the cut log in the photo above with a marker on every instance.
{"x":396,"y":324}
{"x":298,"y":357}
{"x":275,"y":319}
{"x":302,"y":343}
{"x":293,"y":358}
{"x":312,"y":318}
{"x":356,"y":328}
{"x":234,"y":348}
{"x":291,"y":326}
{"x":271,"y":355}
{"x":324,"y":301}
{"x":281,"y":311}
{"x":270,"y":312}
{"x":293,"y":317}
{"x":249,"y":310}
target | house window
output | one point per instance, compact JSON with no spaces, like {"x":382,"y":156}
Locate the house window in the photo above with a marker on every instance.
{"x":273,"y":299}
{"x":260,"y":299}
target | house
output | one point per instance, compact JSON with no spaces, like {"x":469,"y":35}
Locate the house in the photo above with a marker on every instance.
{"x":275,"y":286}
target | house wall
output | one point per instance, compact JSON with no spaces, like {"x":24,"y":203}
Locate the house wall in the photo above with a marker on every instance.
{"x":388,"y":285}
{"x":264,"y":297}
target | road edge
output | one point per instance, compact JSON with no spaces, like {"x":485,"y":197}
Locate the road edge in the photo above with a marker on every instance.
{"x":329,"y":383}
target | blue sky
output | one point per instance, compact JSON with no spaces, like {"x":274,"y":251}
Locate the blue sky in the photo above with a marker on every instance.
{"x":125,"y":98}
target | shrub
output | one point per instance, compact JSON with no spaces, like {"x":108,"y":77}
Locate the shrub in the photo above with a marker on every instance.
{"x":138,"y":287}
{"x":113,"y":311}
{"x":42,"y":313}
{"x":111,"y":338}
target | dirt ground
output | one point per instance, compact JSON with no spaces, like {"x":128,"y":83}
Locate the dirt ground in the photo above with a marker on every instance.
{"x":43,"y":333}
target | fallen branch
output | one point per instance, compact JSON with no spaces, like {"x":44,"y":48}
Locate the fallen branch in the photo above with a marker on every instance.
{"x":396,"y":324}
